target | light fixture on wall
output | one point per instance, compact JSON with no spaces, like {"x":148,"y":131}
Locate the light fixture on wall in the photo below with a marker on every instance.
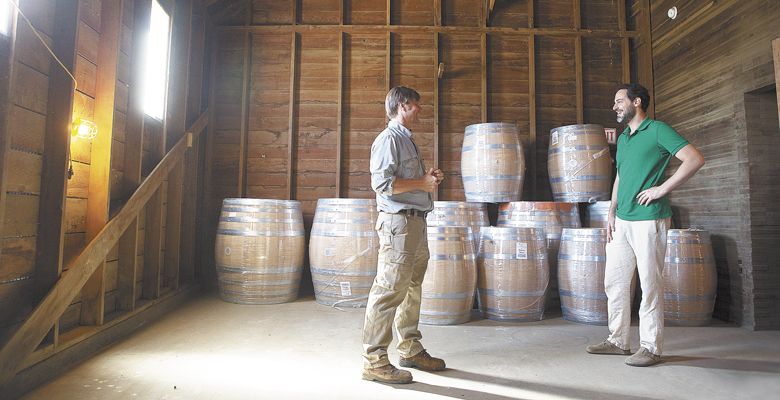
{"x":84,"y":129}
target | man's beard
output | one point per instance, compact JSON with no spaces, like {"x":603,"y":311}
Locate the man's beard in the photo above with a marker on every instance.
{"x":628,"y":115}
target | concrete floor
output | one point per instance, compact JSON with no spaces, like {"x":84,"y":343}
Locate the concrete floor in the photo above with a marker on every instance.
{"x":209,"y":349}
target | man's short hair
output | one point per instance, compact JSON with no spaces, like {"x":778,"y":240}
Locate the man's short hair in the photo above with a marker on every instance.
{"x":634,"y":90}
{"x":397,"y":96}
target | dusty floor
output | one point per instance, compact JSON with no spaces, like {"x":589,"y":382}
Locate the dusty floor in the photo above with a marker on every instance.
{"x":209,"y":349}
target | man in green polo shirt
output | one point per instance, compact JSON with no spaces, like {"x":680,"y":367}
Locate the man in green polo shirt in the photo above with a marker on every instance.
{"x":639,"y":217}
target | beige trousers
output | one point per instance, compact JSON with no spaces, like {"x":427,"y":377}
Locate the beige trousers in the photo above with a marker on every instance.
{"x":394,"y":300}
{"x":636,"y":245}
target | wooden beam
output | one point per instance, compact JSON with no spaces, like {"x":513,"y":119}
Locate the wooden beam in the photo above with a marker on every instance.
{"x":340,"y":117}
{"x":532,"y":114}
{"x":193,"y":108}
{"x":388,"y":60}
{"x":131,"y":179}
{"x":153,"y":242}
{"x":776,"y":57}
{"x":580,"y":96}
{"x":7,"y":51}
{"x":645,"y":66}
{"x":296,"y":6}
{"x":205,"y":262}
{"x":625,"y":48}
{"x":437,"y":13}
{"x":34,"y":329}
{"x":356,"y":29}
{"x":436,"y":80}
{"x":173,"y":226}
{"x":291,"y":132}
{"x":54,"y":180}
{"x":484,"y":61}
{"x":99,"y":198}
{"x":491,"y":4}
{"x":388,"y":13}
{"x":246,"y":90}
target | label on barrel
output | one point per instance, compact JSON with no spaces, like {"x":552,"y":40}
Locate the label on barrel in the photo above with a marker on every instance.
{"x":227,"y":251}
{"x":554,"y":138}
{"x":522,"y":251}
{"x":329,"y":252}
{"x":346,"y":289}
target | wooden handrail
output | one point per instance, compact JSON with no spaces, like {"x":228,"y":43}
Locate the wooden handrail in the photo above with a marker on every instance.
{"x":48,"y":311}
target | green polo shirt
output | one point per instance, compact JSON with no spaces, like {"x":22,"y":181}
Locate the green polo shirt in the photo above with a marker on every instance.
{"x":642,"y":158}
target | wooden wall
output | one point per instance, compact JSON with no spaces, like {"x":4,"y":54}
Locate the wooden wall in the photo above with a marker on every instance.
{"x":708,"y":65}
{"x":39,"y":240}
{"x":301,"y":127}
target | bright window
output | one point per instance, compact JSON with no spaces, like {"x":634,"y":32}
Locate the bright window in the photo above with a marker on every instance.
{"x":5,"y":17}
{"x":156,"y":70}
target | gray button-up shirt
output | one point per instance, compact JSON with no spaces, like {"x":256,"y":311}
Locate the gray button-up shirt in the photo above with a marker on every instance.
{"x":395,"y":155}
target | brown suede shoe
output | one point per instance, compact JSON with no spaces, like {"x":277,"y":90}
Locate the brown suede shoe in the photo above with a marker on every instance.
{"x":387,"y":374}
{"x":423,"y":361}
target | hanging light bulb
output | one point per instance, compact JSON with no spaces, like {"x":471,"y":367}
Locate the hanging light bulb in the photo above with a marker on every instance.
{"x":84,"y":129}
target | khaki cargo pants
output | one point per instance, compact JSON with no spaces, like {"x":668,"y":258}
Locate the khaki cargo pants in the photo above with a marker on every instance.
{"x":395,"y":296}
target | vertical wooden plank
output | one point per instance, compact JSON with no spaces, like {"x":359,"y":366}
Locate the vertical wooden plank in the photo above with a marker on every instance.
{"x":578,"y":63}
{"x":99,"y":199}
{"x":532,"y":100}
{"x":484,"y":101}
{"x":192,"y":170}
{"x":49,"y":243}
{"x":436,"y":79}
{"x":205,"y":264}
{"x":173,"y":226}
{"x":291,"y":142}
{"x":437,"y":12}
{"x":131,"y":179}
{"x":153,"y":246}
{"x":7,"y":50}
{"x":388,"y":60}
{"x":645,"y":69}
{"x":776,"y":53}
{"x":296,"y":6}
{"x":245,"y":92}
{"x":625,"y":51}
{"x":339,"y":115}
{"x":388,"y":10}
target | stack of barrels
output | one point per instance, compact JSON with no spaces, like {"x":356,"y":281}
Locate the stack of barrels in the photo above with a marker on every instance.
{"x":538,"y":257}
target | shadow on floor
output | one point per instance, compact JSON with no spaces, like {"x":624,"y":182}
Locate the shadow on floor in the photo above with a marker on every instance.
{"x":513,"y":383}
{"x":724,"y":363}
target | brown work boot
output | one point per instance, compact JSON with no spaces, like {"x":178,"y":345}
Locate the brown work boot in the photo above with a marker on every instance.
{"x":606,"y":347}
{"x":387,"y":374}
{"x":423,"y":361}
{"x":643,"y":358}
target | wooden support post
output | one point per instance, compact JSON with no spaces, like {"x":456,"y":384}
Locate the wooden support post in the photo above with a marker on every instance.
{"x":776,"y":55}
{"x":173,"y":226}
{"x":7,"y":51}
{"x":625,"y":51}
{"x":152,"y":281}
{"x":296,"y":6}
{"x":245,"y":94}
{"x":645,"y":58}
{"x":49,"y":244}
{"x":436,"y":79}
{"x":484,"y":99}
{"x":192,"y":167}
{"x":580,"y":96}
{"x":205,"y":261}
{"x":532,"y":101}
{"x":388,"y":13}
{"x":99,"y":199}
{"x":340,"y":117}
{"x":436,"y":12}
{"x":388,"y":61}
{"x":134,"y":133}
{"x":291,"y":142}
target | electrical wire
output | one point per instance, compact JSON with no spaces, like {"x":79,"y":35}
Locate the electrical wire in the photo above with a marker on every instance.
{"x":43,"y":42}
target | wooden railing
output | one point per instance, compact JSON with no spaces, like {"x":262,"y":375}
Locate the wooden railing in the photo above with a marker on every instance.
{"x":35,"y":328}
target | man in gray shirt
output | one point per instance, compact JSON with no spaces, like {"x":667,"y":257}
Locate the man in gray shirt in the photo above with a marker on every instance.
{"x":403,"y":195}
